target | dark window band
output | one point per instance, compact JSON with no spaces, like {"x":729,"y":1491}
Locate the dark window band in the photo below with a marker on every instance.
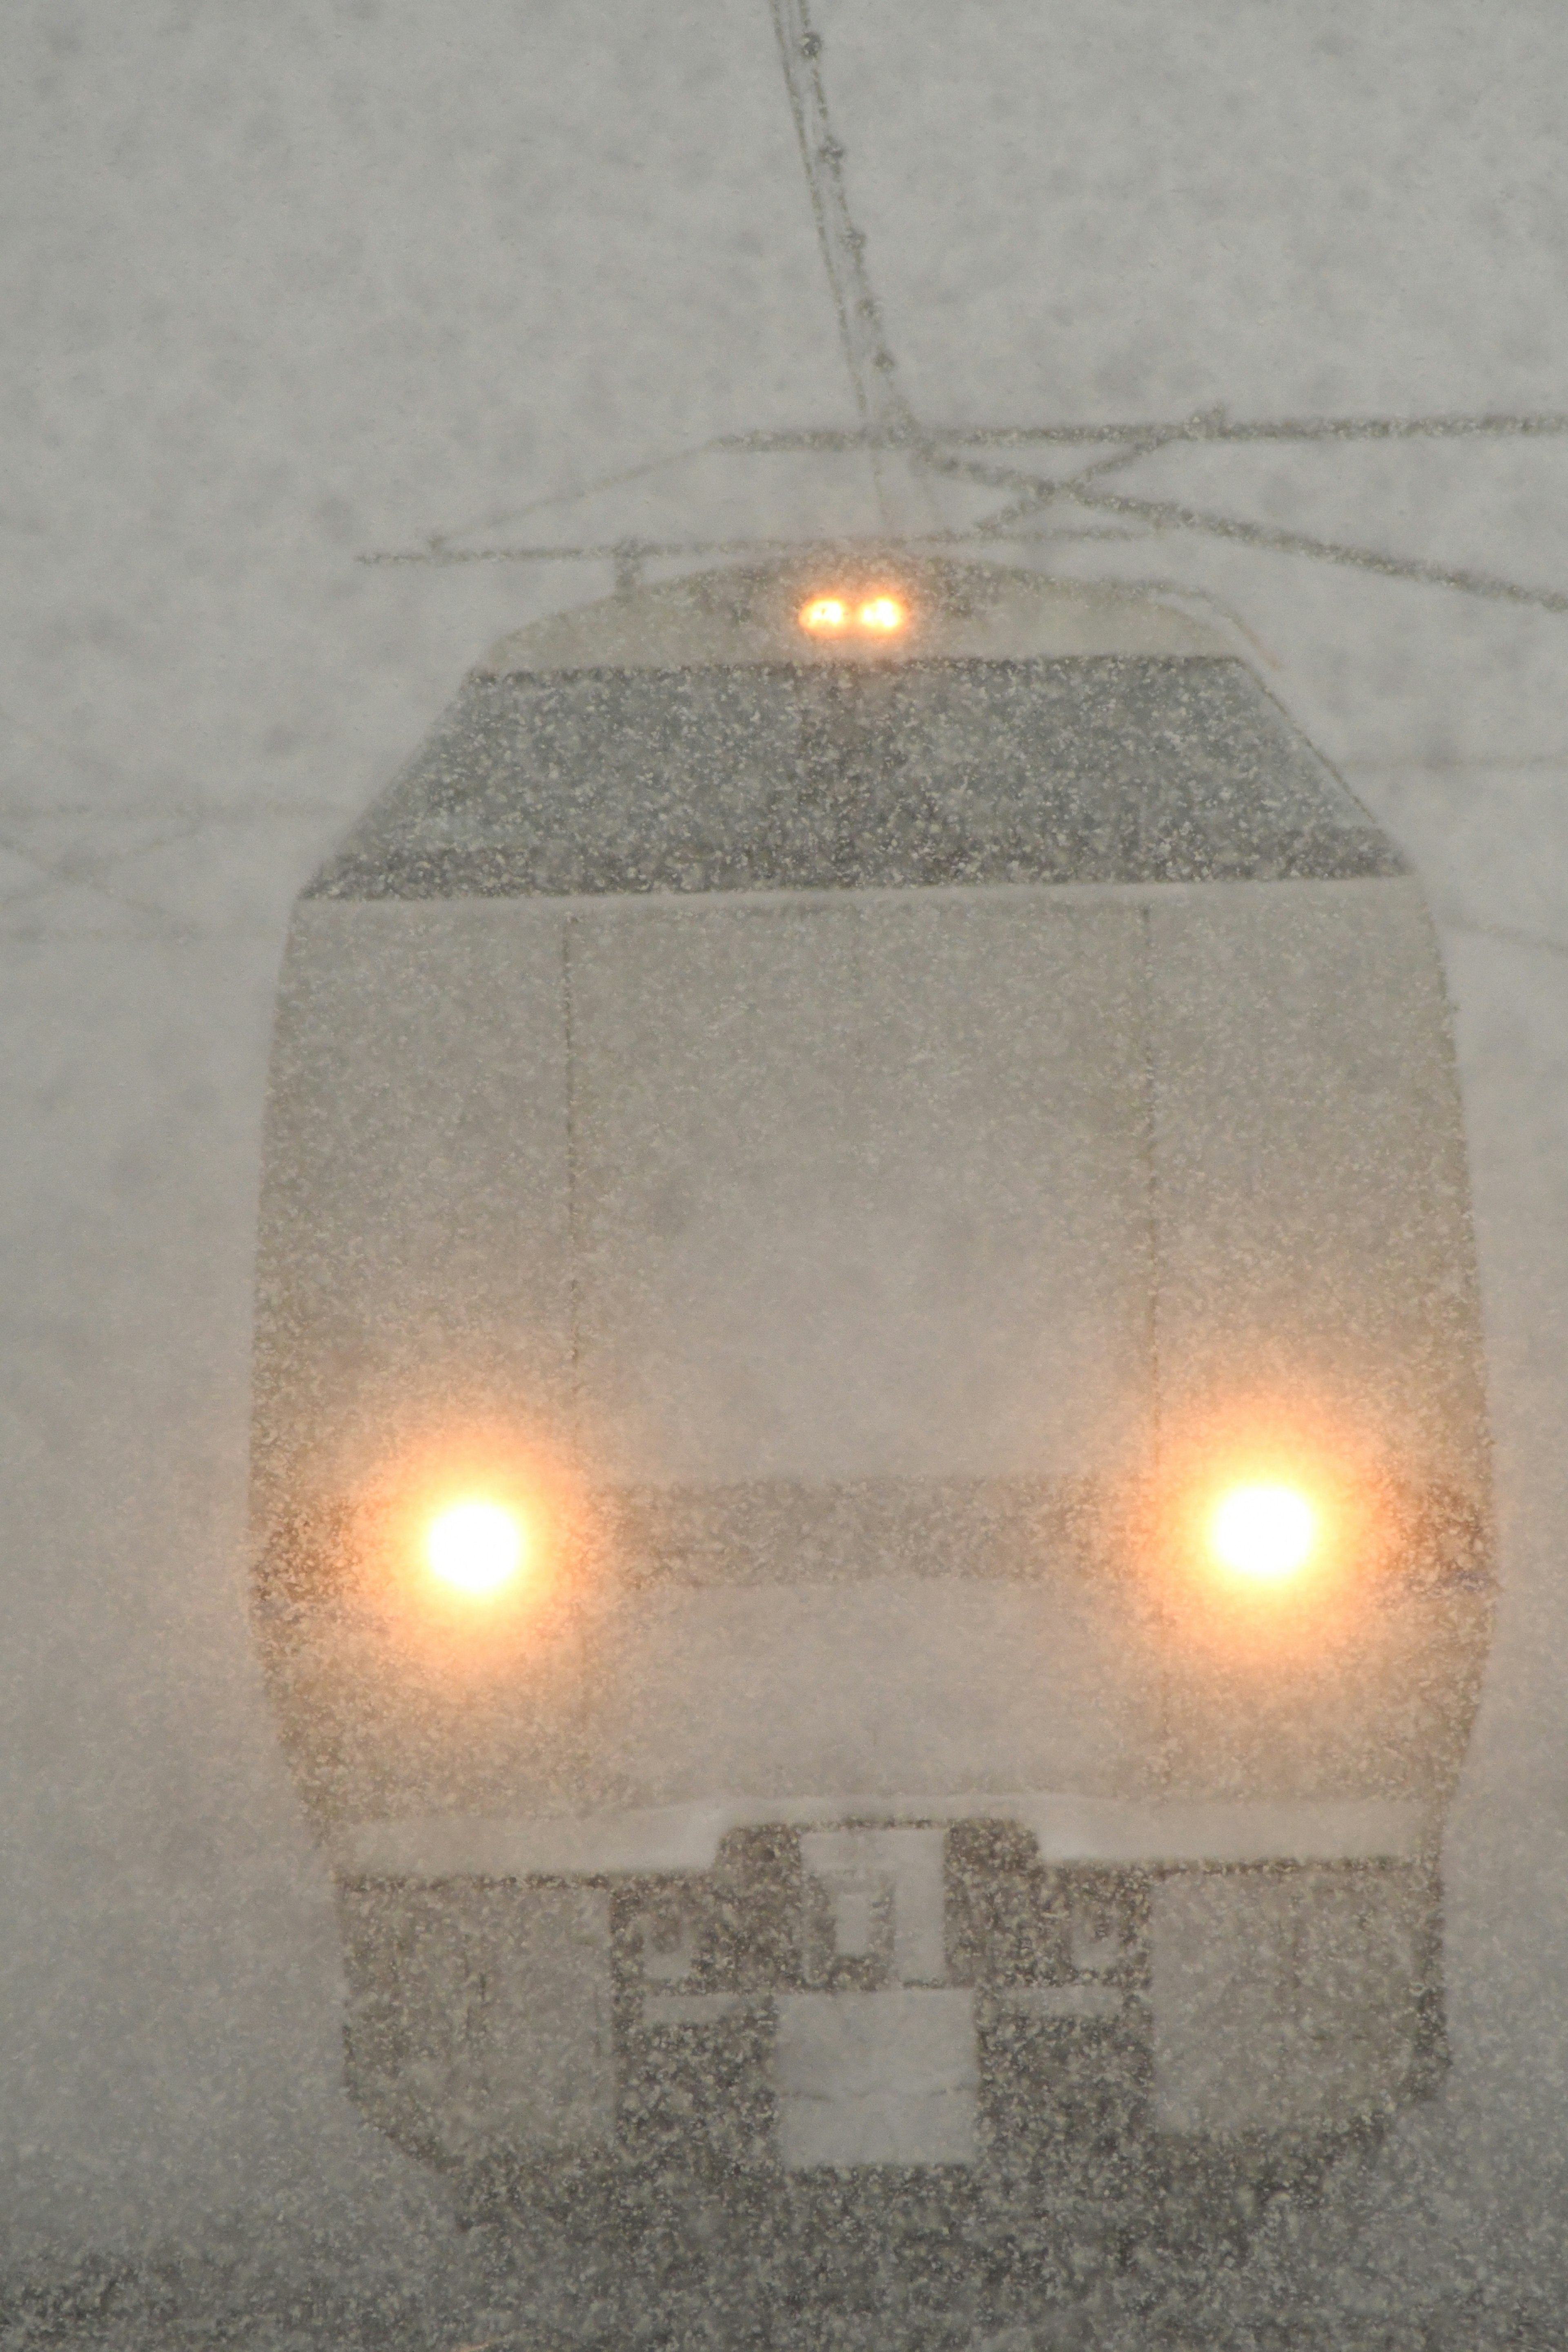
{"x":1092,"y":769}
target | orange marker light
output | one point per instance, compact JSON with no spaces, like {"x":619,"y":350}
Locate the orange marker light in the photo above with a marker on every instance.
{"x":883,"y":613}
{"x":824,"y":614}
{"x":1263,"y":1533}
{"x":475,"y":1547}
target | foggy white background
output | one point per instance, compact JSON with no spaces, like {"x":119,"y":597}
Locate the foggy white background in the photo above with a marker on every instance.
{"x":286,"y":282}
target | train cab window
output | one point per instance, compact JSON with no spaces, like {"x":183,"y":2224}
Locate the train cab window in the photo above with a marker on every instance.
{"x":1093,"y":768}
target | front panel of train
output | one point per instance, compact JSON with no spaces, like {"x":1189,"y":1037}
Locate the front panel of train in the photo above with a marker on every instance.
{"x":870,"y":1466}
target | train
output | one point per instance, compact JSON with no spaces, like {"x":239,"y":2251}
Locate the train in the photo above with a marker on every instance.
{"x":871,"y":1528}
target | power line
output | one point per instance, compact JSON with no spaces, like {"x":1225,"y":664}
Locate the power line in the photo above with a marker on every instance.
{"x":939,"y":452}
{"x":886,"y":415}
{"x":1164,"y":514}
{"x":888,"y":422}
{"x":1211,"y":425}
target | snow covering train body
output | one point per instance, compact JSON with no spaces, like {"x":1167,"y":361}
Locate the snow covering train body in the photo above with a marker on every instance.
{"x":860,"y":1143}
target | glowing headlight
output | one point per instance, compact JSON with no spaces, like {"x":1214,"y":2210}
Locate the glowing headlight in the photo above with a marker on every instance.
{"x":883,"y":613}
{"x":824,"y":614}
{"x":1263,"y":1532}
{"x":475,"y":1547}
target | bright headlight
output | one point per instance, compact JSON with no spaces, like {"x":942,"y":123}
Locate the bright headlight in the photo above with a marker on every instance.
{"x":1266,"y":1533}
{"x":475,"y":1547}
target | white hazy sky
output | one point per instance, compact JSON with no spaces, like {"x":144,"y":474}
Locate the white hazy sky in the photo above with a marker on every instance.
{"x":284,"y":282}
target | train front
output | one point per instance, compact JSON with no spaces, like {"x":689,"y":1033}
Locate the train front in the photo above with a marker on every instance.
{"x":869,"y":1457}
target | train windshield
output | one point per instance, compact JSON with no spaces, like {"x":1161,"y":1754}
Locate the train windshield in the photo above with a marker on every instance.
{"x":798,"y":777}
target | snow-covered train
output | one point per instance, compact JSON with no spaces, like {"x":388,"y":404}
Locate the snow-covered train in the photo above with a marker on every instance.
{"x":871,"y":1470}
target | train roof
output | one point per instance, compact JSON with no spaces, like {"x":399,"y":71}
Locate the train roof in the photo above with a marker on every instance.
{"x":692,"y":737}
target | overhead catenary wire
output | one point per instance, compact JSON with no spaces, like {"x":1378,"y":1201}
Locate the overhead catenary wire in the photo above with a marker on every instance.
{"x":939,"y":441}
{"x":1166,"y":514}
{"x":888,"y":423}
{"x":1155,"y":514}
{"x":941,"y":453}
{"x":1169,"y":514}
{"x":888,"y":420}
{"x":1207,"y":425}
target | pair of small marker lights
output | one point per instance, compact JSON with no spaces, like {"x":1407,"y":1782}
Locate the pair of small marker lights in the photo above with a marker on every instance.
{"x":1265,"y":1534}
{"x":836,"y":616}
